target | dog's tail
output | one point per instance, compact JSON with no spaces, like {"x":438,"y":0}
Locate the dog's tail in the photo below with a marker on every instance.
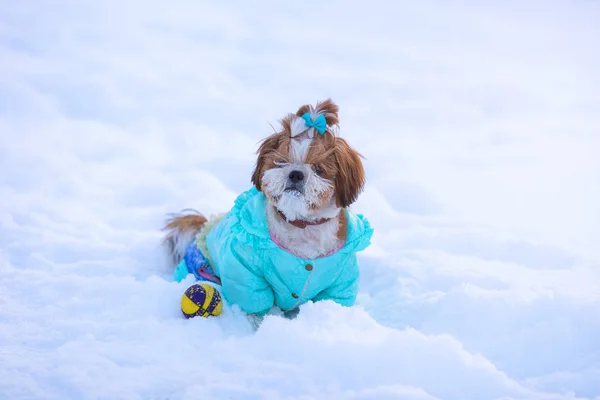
{"x":181,"y":229}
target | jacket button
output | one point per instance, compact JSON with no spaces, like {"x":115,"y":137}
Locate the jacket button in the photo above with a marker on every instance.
{"x":294,"y":295}
{"x":309,"y":267}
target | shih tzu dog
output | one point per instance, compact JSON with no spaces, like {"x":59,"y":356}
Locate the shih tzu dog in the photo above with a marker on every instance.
{"x":291,"y":238}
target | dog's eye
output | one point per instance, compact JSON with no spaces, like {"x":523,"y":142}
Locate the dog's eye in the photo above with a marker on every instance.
{"x":318,"y":170}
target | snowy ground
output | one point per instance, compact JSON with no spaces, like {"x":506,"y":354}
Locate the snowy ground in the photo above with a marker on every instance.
{"x":480,"y":128}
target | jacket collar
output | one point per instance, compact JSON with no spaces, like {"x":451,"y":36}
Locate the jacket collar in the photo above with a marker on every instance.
{"x":251,"y":213}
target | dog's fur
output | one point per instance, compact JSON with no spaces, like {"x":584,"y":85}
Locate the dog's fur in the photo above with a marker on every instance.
{"x":307,"y":181}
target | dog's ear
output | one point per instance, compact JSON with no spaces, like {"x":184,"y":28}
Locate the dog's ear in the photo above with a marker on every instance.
{"x":266,"y":148}
{"x":350,"y":178}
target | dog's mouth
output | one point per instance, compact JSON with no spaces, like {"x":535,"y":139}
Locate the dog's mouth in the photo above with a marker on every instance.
{"x":293,"y":190}
{"x":292,"y":193}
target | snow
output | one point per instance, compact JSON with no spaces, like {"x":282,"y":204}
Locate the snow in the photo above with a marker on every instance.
{"x":479,"y":126}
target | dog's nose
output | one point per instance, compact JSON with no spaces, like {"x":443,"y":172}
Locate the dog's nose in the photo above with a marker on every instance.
{"x":296,"y":176}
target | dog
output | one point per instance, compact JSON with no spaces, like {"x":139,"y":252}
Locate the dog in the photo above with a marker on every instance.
{"x":291,"y":238}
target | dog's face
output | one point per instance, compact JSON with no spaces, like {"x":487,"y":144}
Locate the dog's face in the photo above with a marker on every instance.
{"x":305,"y":174}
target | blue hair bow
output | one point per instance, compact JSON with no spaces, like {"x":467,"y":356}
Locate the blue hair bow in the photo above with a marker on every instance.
{"x":320,"y":124}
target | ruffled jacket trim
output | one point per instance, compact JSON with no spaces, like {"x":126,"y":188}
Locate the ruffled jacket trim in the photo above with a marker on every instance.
{"x":253,"y":230}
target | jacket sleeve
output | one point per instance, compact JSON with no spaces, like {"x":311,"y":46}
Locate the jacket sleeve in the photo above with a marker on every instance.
{"x":345,"y":288}
{"x":243,"y":280}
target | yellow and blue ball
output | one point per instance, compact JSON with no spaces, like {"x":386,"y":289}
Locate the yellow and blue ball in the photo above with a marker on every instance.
{"x":201,"y":300}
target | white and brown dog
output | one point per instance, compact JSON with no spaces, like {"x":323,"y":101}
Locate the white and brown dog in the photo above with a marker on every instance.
{"x":291,"y":238}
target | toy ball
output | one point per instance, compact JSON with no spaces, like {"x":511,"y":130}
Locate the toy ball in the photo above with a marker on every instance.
{"x":201,"y":300}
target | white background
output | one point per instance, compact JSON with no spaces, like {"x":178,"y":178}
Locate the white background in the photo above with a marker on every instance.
{"x":480,"y":127}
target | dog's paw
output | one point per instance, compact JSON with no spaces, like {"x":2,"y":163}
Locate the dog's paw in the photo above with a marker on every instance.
{"x":291,"y":314}
{"x":255,"y":320}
